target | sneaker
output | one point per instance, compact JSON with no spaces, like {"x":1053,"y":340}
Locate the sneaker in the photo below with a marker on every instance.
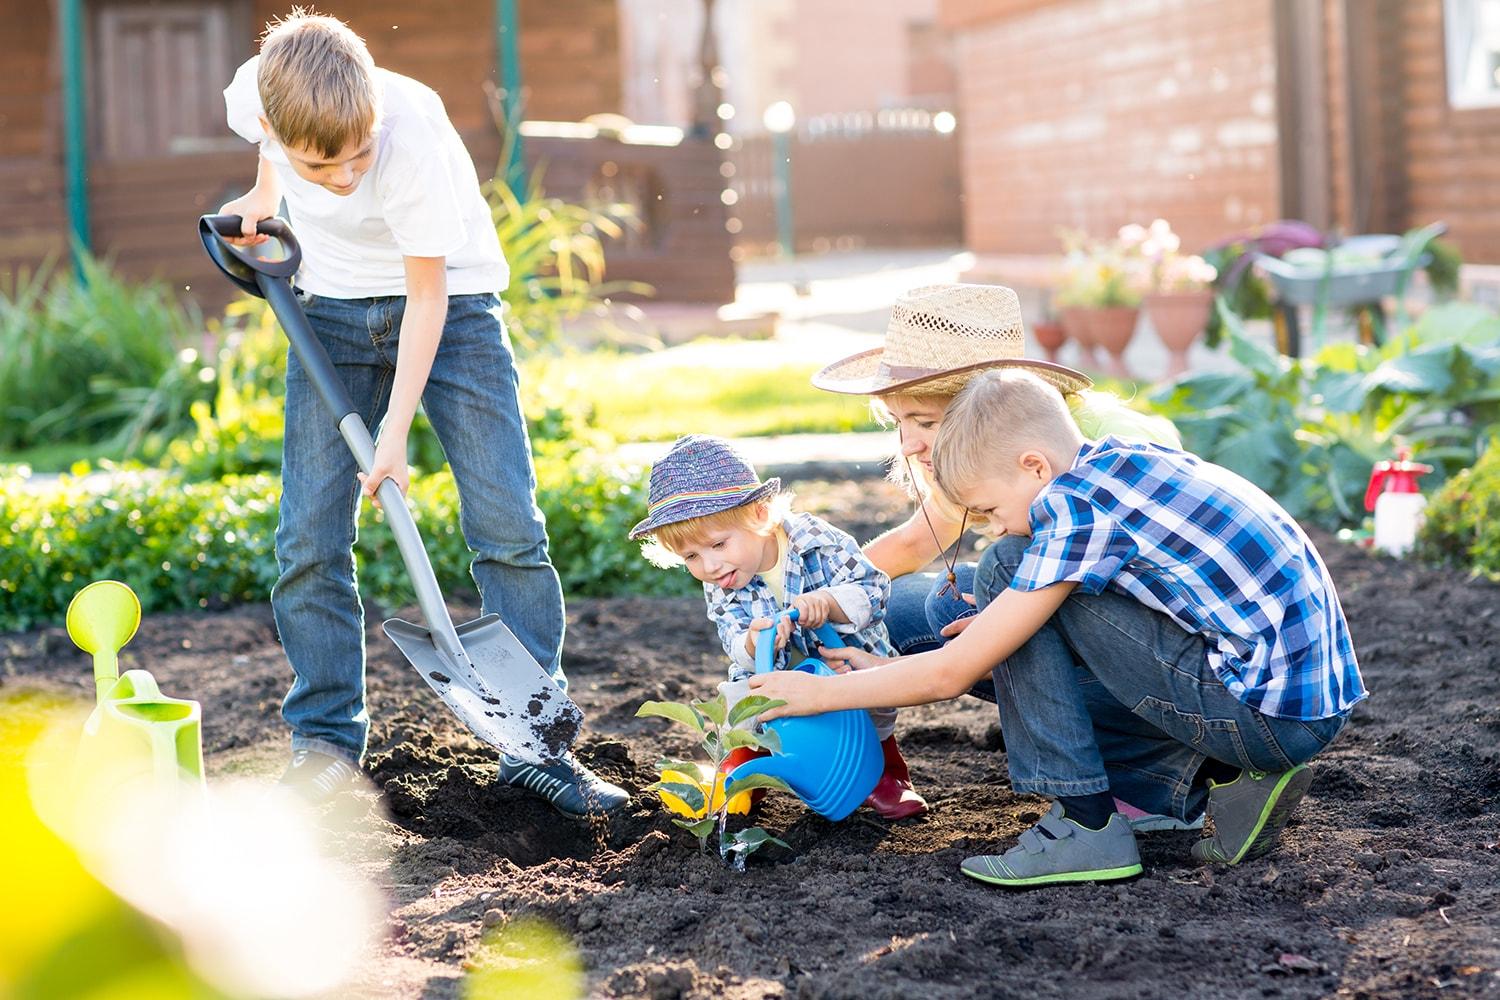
{"x":1142,"y":821}
{"x":1249,"y":812}
{"x":318,"y":778}
{"x":1058,"y":850}
{"x":573,"y":789}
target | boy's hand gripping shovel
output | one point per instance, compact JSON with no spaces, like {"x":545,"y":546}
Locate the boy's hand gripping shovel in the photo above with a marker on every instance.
{"x":479,"y":668}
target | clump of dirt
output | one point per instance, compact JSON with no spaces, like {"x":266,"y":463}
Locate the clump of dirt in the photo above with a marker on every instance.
{"x":1386,"y":885}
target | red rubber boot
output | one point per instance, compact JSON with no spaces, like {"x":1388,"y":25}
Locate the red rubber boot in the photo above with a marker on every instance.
{"x":893,"y":796}
{"x":736,"y":757}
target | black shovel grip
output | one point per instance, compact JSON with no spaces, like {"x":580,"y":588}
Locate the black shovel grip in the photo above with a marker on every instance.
{"x":242,"y":263}
{"x":271,"y":280}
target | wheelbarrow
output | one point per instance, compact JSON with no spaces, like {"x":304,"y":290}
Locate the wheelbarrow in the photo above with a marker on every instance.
{"x":479,"y":668}
{"x":134,"y":730}
{"x":831,"y":761}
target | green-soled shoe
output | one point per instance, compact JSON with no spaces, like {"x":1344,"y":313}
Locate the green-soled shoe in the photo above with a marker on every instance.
{"x":1057,"y":851}
{"x":1249,"y":812}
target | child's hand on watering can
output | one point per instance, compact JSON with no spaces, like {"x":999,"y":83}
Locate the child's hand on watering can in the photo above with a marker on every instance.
{"x":814,"y":608}
{"x":842,"y":659}
{"x":783,"y":633}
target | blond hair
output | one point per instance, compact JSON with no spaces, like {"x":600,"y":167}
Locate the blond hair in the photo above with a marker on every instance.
{"x":317,"y":83}
{"x":663,"y":544}
{"x":998,"y":416}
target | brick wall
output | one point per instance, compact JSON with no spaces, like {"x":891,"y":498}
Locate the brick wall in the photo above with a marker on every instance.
{"x":1093,"y":113}
{"x":33,"y":219}
{"x":1452,"y":155}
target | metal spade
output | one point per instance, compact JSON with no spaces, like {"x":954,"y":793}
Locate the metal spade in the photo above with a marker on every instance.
{"x":480,"y":669}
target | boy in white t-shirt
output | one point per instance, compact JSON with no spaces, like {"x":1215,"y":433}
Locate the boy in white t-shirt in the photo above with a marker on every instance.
{"x":400,"y":280}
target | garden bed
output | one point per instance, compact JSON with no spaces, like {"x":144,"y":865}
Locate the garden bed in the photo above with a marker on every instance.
{"x":1387,"y":884}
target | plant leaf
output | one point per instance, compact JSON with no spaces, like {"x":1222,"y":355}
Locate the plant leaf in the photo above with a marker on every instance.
{"x":770,"y":740}
{"x":698,"y":828}
{"x":691,"y":795}
{"x":750,"y":781}
{"x":713,"y":709}
{"x":752,"y":704}
{"x":684,"y":766}
{"x":676,"y":711}
{"x":754,"y":838}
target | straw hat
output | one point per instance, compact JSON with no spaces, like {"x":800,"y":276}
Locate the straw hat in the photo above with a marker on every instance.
{"x":938,"y":338}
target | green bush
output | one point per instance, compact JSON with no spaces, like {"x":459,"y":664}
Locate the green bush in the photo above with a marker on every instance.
{"x":1309,"y":430}
{"x":1463,"y":519}
{"x":95,"y":359}
{"x":183,"y":544}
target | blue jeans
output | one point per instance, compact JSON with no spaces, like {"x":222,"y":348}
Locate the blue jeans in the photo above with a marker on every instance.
{"x":916,"y":614}
{"x":471,"y":400}
{"x":1111,"y":695}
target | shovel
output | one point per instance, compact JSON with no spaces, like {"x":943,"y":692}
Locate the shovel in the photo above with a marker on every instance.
{"x":479,"y":669}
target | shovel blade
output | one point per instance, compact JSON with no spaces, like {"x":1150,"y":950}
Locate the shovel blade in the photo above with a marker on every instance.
{"x":506,"y":698}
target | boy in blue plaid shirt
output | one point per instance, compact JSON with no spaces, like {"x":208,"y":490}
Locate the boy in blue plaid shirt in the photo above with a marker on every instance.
{"x":1157,"y":627}
{"x":709,"y":511}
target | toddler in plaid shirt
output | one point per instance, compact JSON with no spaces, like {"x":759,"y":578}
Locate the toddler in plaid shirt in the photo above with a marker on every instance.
{"x":1158,"y":629}
{"x":709,"y":512}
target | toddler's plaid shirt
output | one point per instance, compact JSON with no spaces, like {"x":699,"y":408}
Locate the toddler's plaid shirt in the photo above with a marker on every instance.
{"x":1215,"y":553}
{"x":818,"y":556}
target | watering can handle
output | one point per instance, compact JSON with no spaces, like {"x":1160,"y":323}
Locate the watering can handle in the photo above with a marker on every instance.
{"x":765,"y":649}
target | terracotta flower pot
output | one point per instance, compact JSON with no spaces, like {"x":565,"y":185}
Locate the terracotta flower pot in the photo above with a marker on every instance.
{"x":1075,"y":329}
{"x":1178,"y":318}
{"x":1050,"y":335}
{"x":1111,"y":328}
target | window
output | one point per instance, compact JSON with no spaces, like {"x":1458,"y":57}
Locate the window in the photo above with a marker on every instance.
{"x":1471,"y":30}
{"x":158,"y":75}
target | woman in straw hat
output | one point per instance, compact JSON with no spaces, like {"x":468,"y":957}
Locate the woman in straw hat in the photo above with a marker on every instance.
{"x":939,"y":337}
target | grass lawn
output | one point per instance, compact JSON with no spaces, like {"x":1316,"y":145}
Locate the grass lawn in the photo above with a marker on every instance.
{"x":725,"y":387}
{"x":57,"y":457}
{"x":656,"y":397}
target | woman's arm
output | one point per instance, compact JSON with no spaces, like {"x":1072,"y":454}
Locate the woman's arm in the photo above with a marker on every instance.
{"x":909,"y":547}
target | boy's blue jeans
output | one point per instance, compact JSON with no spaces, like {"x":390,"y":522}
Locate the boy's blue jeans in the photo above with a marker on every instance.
{"x":1111,"y":695}
{"x":471,"y":400}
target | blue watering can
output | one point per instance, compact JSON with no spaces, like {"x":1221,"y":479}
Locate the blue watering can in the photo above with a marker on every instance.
{"x":830,"y":761}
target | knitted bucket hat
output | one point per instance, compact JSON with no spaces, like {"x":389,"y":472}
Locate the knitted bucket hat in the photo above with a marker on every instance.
{"x":700,"y":476}
{"x":940,"y":336}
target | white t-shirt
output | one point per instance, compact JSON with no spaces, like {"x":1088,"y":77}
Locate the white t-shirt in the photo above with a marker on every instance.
{"x":420,"y":199}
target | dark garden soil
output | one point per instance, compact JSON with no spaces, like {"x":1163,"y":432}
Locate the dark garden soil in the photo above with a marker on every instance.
{"x":1387,"y":884}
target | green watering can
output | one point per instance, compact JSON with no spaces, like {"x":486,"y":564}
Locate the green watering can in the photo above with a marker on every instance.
{"x":134,"y":730}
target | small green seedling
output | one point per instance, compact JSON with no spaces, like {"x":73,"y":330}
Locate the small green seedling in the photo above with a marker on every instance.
{"x":704,"y":798}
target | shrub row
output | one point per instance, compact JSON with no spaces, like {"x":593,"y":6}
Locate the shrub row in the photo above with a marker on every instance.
{"x":182,"y":544}
{"x":1463,"y":519}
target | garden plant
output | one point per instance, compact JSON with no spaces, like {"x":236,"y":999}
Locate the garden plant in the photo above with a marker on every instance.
{"x":700,"y":793}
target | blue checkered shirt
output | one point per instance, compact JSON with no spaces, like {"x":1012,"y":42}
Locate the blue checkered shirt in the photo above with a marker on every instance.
{"x":1212,"y":551}
{"x":818,"y":556}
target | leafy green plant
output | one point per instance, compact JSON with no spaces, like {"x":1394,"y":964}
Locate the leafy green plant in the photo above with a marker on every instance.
{"x":1308,"y":430}
{"x":720,"y":728}
{"x":96,"y":359}
{"x":1462,"y":527}
{"x":184,"y":544}
{"x":556,"y":254}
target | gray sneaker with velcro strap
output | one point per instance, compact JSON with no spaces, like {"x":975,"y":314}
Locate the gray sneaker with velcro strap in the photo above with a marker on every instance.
{"x":1249,"y":812}
{"x":1057,"y":850}
{"x":572,"y":788}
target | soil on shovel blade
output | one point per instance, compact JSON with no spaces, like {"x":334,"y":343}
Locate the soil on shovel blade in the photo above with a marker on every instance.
{"x":1387,"y":883}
